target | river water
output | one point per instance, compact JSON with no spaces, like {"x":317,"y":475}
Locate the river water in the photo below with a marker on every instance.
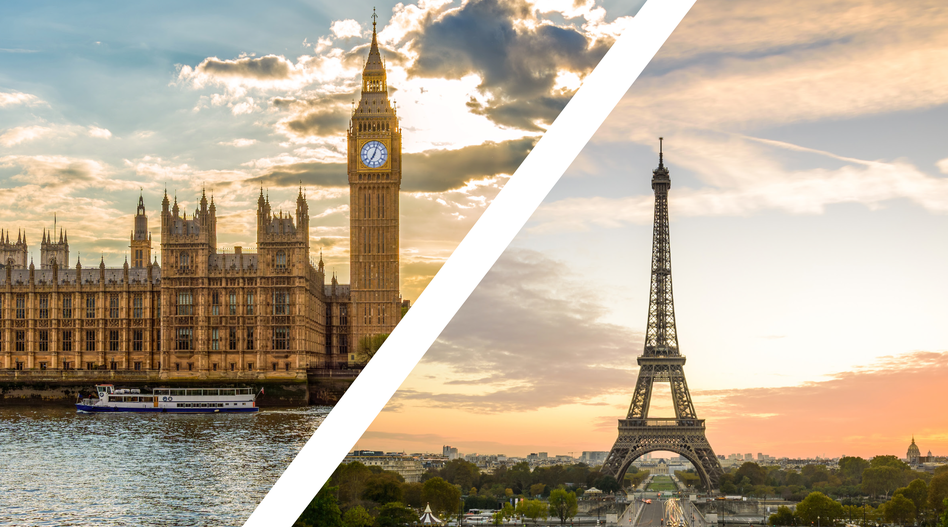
{"x":62,"y":468}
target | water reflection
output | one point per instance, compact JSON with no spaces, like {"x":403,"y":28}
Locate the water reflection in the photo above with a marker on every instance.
{"x":59,"y":467}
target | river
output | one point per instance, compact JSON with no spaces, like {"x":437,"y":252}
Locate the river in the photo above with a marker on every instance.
{"x":62,"y":468}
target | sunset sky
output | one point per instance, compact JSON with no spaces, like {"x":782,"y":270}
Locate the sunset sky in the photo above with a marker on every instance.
{"x":806,"y":144}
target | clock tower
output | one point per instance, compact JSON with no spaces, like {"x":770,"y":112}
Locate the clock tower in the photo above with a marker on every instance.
{"x":375,"y":175}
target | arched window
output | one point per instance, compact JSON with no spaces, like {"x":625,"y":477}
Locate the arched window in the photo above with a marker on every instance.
{"x":281,"y":260}
{"x":185,"y":260}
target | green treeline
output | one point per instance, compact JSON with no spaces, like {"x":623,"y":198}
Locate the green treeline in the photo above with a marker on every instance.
{"x":881,"y":490}
{"x":360,"y":496}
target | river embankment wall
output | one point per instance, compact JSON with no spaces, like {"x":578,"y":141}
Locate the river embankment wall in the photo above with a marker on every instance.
{"x":61,"y":388}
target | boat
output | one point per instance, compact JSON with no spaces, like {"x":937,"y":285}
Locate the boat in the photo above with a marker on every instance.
{"x":176,"y":400}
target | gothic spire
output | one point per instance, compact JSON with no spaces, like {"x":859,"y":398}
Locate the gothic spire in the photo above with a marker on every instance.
{"x":373,"y":75}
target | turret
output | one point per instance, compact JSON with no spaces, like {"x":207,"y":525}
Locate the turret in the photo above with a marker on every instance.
{"x":140,"y":240}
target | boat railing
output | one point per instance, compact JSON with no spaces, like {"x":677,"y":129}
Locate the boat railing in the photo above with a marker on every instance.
{"x":190,"y":392}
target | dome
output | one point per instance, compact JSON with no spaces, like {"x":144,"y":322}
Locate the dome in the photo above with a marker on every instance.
{"x":913,"y":452}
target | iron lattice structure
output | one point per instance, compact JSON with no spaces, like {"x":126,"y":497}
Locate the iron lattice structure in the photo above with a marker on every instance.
{"x":661,"y":361}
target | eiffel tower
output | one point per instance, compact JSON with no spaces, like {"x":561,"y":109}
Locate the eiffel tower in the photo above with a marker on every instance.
{"x":662,"y":362}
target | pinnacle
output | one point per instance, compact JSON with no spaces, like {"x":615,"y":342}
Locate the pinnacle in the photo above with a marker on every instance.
{"x":373,"y":63}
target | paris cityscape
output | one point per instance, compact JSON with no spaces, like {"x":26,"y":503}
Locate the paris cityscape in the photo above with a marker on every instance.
{"x":240,"y":196}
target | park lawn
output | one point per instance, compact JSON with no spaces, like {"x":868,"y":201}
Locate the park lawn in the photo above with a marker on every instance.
{"x":660,"y":483}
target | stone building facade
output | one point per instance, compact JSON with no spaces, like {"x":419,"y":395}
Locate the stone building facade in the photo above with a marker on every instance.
{"x":203,"y":313}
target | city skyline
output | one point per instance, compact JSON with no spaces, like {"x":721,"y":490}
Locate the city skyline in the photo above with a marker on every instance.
{"x":808,"y":218}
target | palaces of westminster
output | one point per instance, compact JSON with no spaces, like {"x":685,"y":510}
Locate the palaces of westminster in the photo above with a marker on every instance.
{"x":207,"y":314}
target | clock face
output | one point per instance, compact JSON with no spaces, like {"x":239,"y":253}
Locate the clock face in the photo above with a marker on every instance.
{"x":373,"y":154}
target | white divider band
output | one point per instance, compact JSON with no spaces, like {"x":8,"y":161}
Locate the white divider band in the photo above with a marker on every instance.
{"x":502,"y":220}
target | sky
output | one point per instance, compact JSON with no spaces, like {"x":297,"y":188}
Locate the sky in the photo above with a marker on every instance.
{"x":808,"y":205}
{"x":102,"y":101}
{"x":806,"y":145}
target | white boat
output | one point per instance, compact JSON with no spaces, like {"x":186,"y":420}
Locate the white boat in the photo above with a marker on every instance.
{"x":181,"y":400}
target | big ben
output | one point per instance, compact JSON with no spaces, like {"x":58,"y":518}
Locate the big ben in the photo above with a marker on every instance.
{"x":375,"y":174}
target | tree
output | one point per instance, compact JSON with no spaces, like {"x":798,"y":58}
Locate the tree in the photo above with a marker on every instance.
{"x":460,"y":472}
{"x":753,"y":472}
{"x":889,"y":461}
{"x":533,"y":509}
{"x":394,"y":515}
{"x":369,"y":346}
{"x":323,"y":511}
{"x":442,"y":496}
{"x":357,"y":517}
{"x":900,"y":510}
{"x":881,"y":480}
{"x":383,"y":488}
{"x":938,"y":492}
{"x":636,"y":478}
{"x":537,"y":489}
{"x":851,"y":468}
{"x":518,"y":477}
{"x":503,"y":514}
{"x":350,"y":479}
{"x":607,"y":483}
{"x":688,"y":479}
{"x":563,"y":504}
{"x":917,"y":491}
{"x":815,"y":474}
{"x":783,"y":516}
{"x":818,"y":507}
{"x":411,"y":495}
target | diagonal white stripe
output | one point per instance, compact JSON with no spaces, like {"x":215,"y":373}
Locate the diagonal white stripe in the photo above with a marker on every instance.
{"x":601,"y":91}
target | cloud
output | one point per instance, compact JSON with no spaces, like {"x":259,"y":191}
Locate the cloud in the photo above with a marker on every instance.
{"x":744,"y":176}
{"x":430,"y":171}
{"x":731,"y":65}
{"x":23,"y":134}
{"x":844,"y":410}
{"x":101,"y":133}
{"x":263,"y":70}
{"x":18,"y":98}
{"x":316,"y":115}
{"x":528,"y":337}
{"x":346,"y":28}
{"x":517,"y":57}
{"x":943,"y":165}
{"x":239,"y":143}
{"x":58,"y":172}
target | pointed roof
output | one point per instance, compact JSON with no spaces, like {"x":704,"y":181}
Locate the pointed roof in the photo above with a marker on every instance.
{"x":373,"y":75}
{"x":428,"y":518}
{"x":374,"y":62}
